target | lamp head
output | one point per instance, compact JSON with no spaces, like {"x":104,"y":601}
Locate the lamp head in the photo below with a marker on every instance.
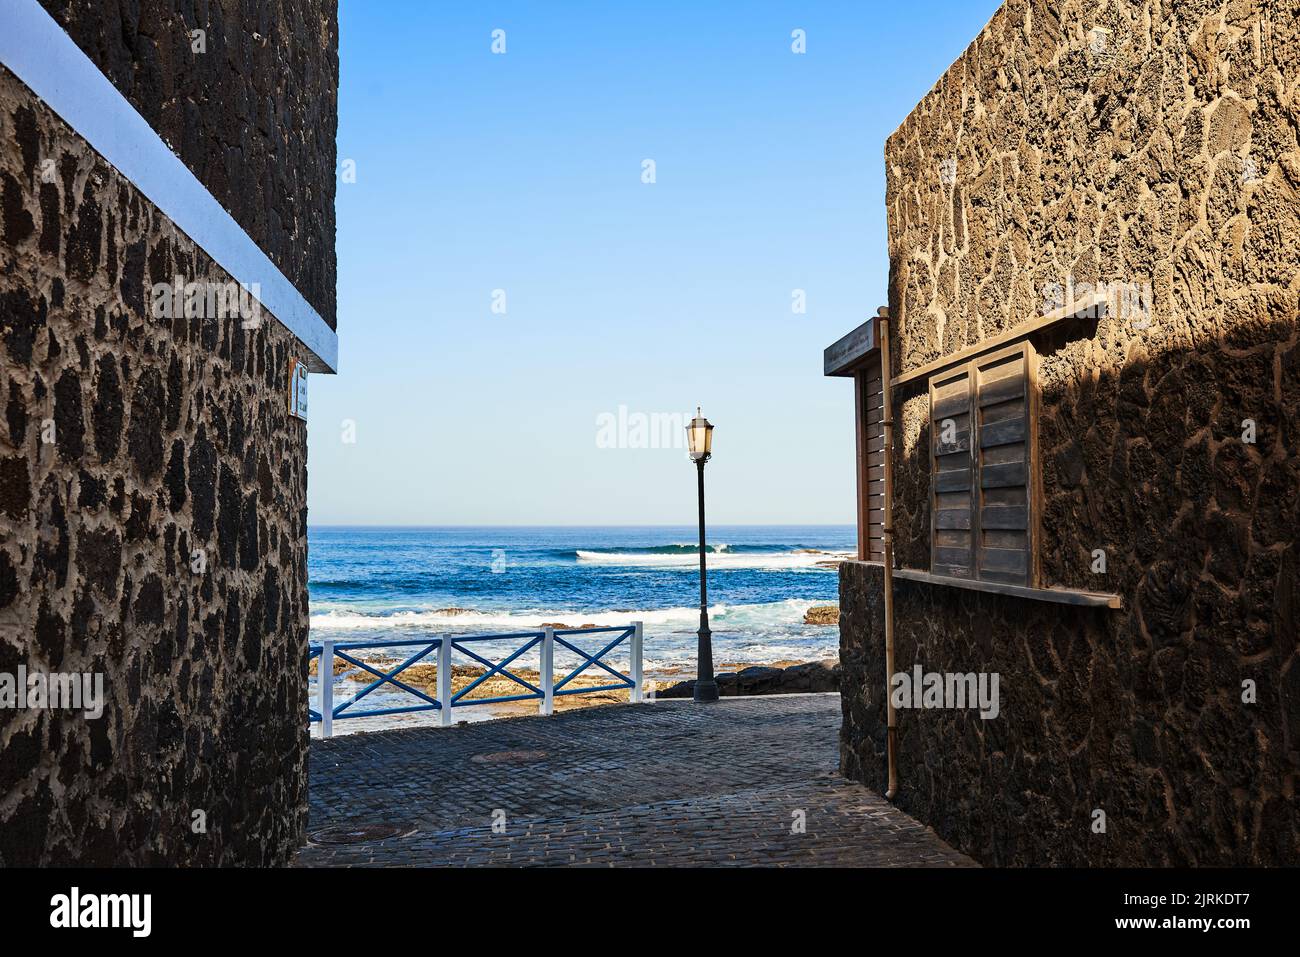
{"x":699,"y":437}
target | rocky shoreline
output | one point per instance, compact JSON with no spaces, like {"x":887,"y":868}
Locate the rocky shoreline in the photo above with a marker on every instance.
{"x":809,"y":676}
{"x":822,"y":615}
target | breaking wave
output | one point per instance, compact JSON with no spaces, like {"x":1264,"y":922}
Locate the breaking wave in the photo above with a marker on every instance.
{"x":675,"y":556}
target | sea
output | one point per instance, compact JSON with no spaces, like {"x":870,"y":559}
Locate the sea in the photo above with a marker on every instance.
{"x":384,"y":584}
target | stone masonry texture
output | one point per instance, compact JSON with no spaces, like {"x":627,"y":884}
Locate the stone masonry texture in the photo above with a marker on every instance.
{"x":152,"y":483}
{"x":254,"y":116}
{"x":1140,"y":143}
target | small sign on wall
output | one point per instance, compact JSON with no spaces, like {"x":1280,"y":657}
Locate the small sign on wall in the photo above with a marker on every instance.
{"x":298,"y":389}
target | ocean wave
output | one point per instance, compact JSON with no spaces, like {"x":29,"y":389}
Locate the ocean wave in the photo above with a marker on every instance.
{"x":798,"y":558}
{"x":693,"y":548}
{"x":677,"y":548}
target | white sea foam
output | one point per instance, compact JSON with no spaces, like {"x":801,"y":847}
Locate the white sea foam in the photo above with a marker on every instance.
{"x":808,"y":558}
{"x":759,"y":617}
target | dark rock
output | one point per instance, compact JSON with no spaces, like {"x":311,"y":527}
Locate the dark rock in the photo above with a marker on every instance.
{"x":144,"y":437}
{"x":813,"y":676}
{"x":28,"y":135}
{"x":228,"y":517}
{"x":101,"y":745}
{"x":8,"y":580}
{"x":15,"y":487}
{"x":174,"y":480}
{"x":16,"y":415}
{"x":52,"y":543}
{"x":50,"y":634}
{"x":175,"y":394}
{"x":149,"y":602}
{"x":249,"y":556}
{"x":84,"y":239}
{"x":1228,"y":547}
{"x":107,"y":414}
{"x":69,"y":421}
{"x":99,"y":558}
{"x":1165,"y":602}
{"x":131,"y":285}
{"x":92,"y":492}
{"x":822,"y":615}
{"x":22,"y":844}
{"x":15,"y":219}
{"x":203,"y":485}
{"x":24,"y":751}
{"x":51,"y":232}
{"x":139,"y":524}
{"x":1070,"y":464}
{"x":21,"y":317}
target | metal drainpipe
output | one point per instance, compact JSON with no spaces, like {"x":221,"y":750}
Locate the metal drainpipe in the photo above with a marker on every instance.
{"x":888,"y":530}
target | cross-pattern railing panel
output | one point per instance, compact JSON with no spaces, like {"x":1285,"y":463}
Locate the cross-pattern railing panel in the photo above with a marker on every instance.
{"x":444,"y":700}
{"x":624,"y":681}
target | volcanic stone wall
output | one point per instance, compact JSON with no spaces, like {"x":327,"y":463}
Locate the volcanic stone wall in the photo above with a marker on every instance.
{"x":152,"y":483}
{"x":254,"y":115}
{"x":1148,"y":147}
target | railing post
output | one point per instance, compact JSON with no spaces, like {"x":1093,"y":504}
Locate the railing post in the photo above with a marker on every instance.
{"x":547,"y":671}
{"x":325,"y":671}
{"x":444,"y":681}
{"x":638,"y":634}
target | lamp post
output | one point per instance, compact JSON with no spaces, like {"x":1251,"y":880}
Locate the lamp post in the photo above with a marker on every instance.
{"x":699,"y":435}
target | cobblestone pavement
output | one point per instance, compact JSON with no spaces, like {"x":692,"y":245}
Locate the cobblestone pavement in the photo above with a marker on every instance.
{"x":669,"y":783}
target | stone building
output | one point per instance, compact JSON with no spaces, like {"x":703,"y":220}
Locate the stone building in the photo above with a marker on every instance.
{"x":167,"y":176}
{"x":1094,"y":379}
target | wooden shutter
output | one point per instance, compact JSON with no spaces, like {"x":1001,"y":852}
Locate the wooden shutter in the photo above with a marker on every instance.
{"x":1006,"y":466}
{"x":952,"y":515}
{"x":871,"y":408}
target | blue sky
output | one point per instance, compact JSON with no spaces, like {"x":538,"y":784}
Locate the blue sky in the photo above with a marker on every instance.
{"x":523,"y":172}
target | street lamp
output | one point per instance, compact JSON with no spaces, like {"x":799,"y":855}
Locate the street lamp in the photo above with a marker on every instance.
{"x":699,"y":437}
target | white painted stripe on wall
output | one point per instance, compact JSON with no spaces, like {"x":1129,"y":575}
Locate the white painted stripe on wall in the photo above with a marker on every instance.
{"x":43,"y":56}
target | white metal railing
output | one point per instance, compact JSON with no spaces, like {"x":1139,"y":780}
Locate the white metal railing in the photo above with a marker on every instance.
{"x":444,"y":700}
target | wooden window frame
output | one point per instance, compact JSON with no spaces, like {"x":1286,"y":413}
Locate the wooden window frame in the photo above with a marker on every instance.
{"x":945,"y":559}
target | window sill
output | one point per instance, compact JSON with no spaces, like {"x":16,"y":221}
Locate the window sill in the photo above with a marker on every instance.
{"x":1060,"y":596}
